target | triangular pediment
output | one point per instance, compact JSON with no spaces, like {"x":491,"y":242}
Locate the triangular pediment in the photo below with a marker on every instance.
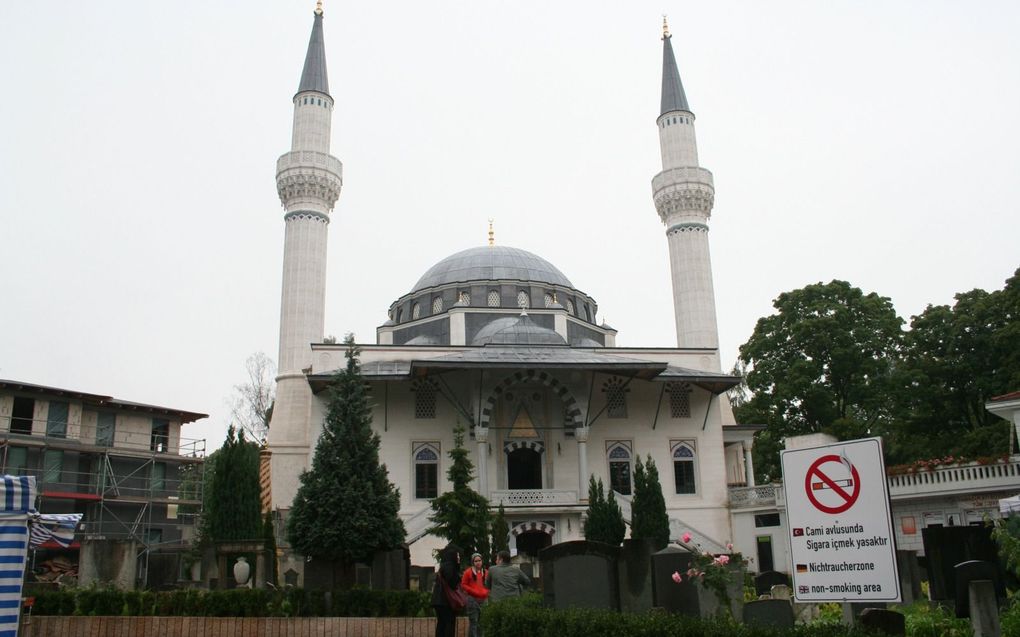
{"x":523,"y":425}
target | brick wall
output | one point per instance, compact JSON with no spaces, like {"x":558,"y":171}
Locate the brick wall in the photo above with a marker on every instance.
{"x":234,"y":627}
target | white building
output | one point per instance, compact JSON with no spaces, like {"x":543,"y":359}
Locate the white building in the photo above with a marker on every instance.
{"x":499,"y":340}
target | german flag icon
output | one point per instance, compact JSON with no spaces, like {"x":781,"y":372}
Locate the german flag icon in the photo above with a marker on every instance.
{"x":802,"y":568}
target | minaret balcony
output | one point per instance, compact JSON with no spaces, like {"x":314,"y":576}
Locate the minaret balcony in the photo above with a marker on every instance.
{"x":694,"y":175}
{"x":309,"y":159}
{"x":309,"y":178}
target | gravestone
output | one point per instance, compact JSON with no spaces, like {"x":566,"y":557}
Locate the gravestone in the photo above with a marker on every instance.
{"x":782,"y":591}
{"x":984,"y":609}
{"x":391,"y":570}
{"x":580,"y":574}
{"x":290,"y":577}
{"x":636,"y":576}
{"x":945,"y":547}
{"x":764,"y":581}
{"x":883,"y":621}
{"x":910,"y":576}
{"x":971,"y":571}
{"x":682,"y":598}
{"x":775,"y":613}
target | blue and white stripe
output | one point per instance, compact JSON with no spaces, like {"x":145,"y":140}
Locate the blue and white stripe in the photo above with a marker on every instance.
{"x":58,"y":527}
{"x":16,"y":500}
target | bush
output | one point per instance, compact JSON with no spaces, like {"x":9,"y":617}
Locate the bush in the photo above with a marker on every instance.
{"x":925,"y":621}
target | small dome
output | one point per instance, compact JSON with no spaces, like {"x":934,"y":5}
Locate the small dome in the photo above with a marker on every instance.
{"x":518,"y":331}
{"x":492,"y":263}
{"x":423,"y":339}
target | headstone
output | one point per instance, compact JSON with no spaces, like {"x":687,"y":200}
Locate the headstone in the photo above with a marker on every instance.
{"x":945,"y":547}
{"x":910,"y":576}
{"x":290,"y":577}
{"x":782,"y":591}
{"x":682,"y":598}
{"x":984,"y":609}
{"x":973,"y":570}
{"x":636,"y":576}
{"x":764,"y":581}
{"x":775,"y":613}
{"x":391,"y":569}
{"x":883,"y":621}
{"x":580,"y":574}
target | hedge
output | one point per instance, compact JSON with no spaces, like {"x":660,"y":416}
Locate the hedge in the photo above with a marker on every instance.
{"x":527,"y":618}
{"x":241,"y":602}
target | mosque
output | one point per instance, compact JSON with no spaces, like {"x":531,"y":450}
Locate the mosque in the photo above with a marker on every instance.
{"x":499,"y":340}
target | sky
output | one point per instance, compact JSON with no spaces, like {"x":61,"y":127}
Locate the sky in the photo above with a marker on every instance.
{"x":141,"y":236}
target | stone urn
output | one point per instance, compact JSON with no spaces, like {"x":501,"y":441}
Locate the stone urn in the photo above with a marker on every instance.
{"x":242,"y":571}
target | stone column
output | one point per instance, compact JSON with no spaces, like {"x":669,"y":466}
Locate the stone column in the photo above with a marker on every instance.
{"x":482,"y":438}
{"x":581,"y":435}
{"x":748,"y":464}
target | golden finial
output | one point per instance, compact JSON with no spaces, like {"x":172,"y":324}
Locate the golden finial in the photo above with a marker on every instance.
{"x":665,"y":27}
{"x":492,"y":234}
{"x":318,"y":7}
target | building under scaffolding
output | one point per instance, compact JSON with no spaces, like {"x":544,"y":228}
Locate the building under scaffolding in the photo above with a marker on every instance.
{"x":124,"y":465}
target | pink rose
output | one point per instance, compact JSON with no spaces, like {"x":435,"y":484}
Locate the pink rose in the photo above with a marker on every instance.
{"x":722,"y":559}
{"x":676,"y":577}
{"x":729,"y":546}
{"x":686,"y":538}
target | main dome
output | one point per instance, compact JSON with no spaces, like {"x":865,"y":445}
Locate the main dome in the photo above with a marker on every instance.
{"x":492,"y":263}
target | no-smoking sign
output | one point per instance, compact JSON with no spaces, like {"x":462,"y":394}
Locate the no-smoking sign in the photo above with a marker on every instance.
{"x":841,"y":536}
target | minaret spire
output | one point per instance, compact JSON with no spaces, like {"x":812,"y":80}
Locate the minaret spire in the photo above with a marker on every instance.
{"x":308,"y":180}
{"x":684,"y":195}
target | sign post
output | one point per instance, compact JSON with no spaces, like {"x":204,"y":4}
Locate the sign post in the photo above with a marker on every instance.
{"x":841,"y":533}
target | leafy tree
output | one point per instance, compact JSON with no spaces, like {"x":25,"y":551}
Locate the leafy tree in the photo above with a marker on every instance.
{"x":500,"y":531}
{"x":955,"y":359}
{"x":252,"y":405}
{"x":231,"y":500}
{"x":822,"y":363}
{"x":462,"y":514}
{"x":648,"y":520}
{"x":346,"y":508}
{"x":605,"y":520}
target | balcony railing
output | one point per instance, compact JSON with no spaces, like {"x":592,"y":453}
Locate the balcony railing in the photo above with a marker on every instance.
{"x":533,"y":497}
{"x":36,"y":432}
{"x":748,"y":497}
{"x":998,"y":476}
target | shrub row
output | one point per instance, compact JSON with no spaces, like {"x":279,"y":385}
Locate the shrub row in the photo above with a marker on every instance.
{"x":292,"y":602}
{"x":527,"y":618}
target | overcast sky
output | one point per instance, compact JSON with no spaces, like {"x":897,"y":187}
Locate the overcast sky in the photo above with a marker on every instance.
{"x":141,"y":236}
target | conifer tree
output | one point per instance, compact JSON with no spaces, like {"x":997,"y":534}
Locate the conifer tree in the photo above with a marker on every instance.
{"x":346,"y":509}
{"x":648,"y":520}
{"x":500,"y":532}
{"x":231,"y":502}
{"x":605,"y":519}
{"x":461,"y":515}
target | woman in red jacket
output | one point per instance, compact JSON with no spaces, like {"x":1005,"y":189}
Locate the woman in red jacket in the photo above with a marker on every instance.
{"x":473,"y":583}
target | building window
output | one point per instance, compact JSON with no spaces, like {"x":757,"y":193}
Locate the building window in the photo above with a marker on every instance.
{"x":424,"y":399}
{"x":766,"y":520}
{"x":53,"y":464}
{"x":464,"y":297}
{"x":437,"y":305}
{"x":22,"y":415}
{"x":426,"y":470}
{"x":415,"y":312}
{"x":616,"y":397}
{"x":158,"y":482}
{"x":683,"y":468}
{"x":570,"y":307}
{"x":523,"y":299}
{"x":587,"y":313}
{"x":17,"y":461}
{"x":160,"y":439}
{"x":400,"y":315}
{"x":153,"y":536}
{"x":56,"y":419}
{"x":105,"y":428}
{"x":679,"y":399}
{"x":492,"y":300}
{"x":548,"y":299}
{"x":619,"y":466}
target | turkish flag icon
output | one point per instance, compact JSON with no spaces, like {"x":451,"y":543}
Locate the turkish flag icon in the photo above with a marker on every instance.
{"x":798,"y":532}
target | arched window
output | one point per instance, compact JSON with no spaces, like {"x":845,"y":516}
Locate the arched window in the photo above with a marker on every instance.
{"x":400,"y":315}
{"x":426,"y":470}
{"x":415,"y":312}
{"x":548,"y":299}
{"x":492,"y":300}
{"x":684,"y":474}
{"x":616,"y":397}
{"x":424,"y":398}
{"x":464,"y":297}
{"x":570,"y":307}
{"x":679,"y":399}
{"x":523,"y":299}
{"x":437,"y":305}
{"x":619,"y":466}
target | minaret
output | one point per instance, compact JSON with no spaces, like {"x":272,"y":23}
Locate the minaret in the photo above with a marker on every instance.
{"x":308,"y":180}
{"x":684,"y":195}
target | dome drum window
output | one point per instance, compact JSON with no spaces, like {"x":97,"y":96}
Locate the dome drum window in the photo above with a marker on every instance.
{"x":570,"y":307}
{"x":415,"y":312}
{"x":523,"y":299}
{"x":548,"y":299}
{"x":492,"y":299}
{"x":437,"y":305}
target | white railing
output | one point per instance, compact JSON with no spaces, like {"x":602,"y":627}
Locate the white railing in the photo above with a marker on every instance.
{"x":417,"y":524}
{"x":677,"y":528}
{"x":957,"y":479}
{"x":299,"y":158}
{"x":533,"y":497}
{"x":759,"y":496}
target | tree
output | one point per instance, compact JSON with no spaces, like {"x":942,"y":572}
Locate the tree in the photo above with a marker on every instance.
{"x":500,"y":532}
{"x":648,"y":519}
{"x":605,"y":520}
{"x":461,"y":515}
{"x":822,"y":363}
{"x":231,"y":501}
{"x":955,"y":359}
{"x":346,"y":509}
{"x":252,"y":404}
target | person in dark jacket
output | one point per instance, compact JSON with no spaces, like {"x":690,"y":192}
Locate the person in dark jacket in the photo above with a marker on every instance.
{"x":449,"y":571}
